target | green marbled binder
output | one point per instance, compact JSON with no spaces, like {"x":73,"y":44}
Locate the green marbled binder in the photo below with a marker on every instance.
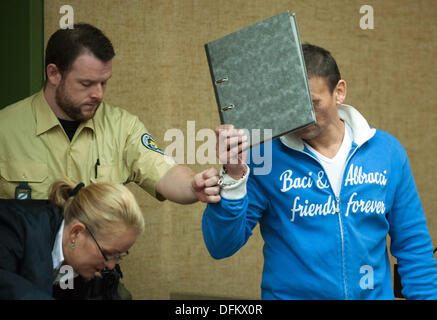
{"x":259,"y":77}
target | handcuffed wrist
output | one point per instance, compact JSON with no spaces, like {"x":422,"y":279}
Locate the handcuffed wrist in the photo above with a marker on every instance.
{"x":232,"y":188}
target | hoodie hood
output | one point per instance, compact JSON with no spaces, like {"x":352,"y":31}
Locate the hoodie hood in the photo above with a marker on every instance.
{"x":361,"y":130}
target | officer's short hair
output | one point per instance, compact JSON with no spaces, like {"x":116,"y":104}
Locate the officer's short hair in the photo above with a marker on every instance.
{"x":320,"y":63}
{"x":65,"y":45}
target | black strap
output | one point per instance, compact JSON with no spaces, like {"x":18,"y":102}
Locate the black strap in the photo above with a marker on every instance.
{"x":76,"y":189}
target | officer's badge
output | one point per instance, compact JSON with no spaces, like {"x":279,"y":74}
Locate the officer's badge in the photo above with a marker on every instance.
{"x":23,"y":191}
{"x":150,"y":143}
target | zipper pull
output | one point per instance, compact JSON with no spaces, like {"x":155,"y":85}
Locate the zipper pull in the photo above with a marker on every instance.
{"x":337,"y":210}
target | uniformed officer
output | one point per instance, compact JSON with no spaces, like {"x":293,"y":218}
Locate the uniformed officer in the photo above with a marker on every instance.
{"x":67,"y":130}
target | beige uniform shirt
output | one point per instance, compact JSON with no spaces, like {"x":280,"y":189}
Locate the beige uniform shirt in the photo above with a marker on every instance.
{"x":112,"y":147}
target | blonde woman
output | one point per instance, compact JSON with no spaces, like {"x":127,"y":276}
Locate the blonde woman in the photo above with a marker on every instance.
{"x":83,"y":228}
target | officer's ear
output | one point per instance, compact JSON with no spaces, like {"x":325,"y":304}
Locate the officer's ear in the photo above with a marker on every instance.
{"x":76,"y":230}
{"x":54,"y":76}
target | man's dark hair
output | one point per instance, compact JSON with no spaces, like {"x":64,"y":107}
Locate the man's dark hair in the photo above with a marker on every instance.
{"x":320,"y":63}
{"x":65,"y":45}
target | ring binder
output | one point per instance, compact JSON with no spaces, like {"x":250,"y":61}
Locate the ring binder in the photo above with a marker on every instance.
{"x":261,"y":70}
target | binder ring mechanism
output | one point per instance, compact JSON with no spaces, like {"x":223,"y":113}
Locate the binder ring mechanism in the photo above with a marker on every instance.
{"x":222,"y":80}
{"x":228,"y":107}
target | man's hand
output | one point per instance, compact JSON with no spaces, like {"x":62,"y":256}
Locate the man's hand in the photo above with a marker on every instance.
{"x":231,"y":149}
{"x":205,"y":186}
{"x":181,"y":185}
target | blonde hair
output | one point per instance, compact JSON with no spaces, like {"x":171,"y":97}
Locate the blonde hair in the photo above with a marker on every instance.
{"x":101,"y":206}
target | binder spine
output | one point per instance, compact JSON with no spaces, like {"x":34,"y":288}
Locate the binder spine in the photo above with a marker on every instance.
{"x":293,"y":21}
{"x":214,"y":84}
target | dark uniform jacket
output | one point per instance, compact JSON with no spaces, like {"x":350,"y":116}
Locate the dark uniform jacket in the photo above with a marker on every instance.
{"x":28,"y":230}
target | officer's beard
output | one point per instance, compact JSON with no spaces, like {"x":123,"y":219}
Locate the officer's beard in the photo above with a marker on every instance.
{"x":70,"y":108}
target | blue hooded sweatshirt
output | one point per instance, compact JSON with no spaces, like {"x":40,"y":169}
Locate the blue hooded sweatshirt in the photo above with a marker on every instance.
{"x":317,"y":245}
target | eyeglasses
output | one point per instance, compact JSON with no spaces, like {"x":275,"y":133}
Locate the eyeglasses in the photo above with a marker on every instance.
{"x":115,"y":257}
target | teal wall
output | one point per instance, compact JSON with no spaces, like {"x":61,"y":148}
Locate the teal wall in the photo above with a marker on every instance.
{"x":22,"y":49}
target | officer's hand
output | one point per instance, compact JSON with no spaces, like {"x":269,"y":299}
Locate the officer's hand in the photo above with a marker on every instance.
{"x":205,"y":186}
{"x":231,"y":149}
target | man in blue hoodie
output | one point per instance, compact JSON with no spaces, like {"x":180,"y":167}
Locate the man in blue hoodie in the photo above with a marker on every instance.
{"x":336,"y":189}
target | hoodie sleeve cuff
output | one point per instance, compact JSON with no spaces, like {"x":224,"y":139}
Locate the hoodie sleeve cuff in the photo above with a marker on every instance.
{"x":237,"y":189}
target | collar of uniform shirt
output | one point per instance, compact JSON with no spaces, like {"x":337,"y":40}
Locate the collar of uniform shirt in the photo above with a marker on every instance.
{"x":45,"y":118}
{"x":58,"y":254}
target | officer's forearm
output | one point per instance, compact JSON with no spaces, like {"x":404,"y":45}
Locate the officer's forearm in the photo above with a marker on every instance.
{"x":176,"y":185}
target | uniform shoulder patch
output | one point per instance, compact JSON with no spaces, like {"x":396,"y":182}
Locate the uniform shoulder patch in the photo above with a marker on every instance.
{"x":149,"y":143}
